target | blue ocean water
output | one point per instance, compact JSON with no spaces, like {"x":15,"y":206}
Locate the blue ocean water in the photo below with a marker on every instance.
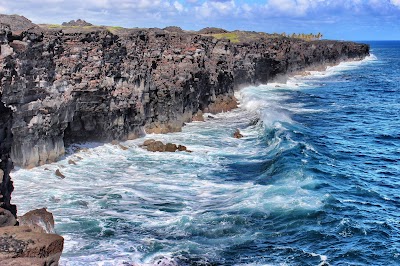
{"x":314,"y":181}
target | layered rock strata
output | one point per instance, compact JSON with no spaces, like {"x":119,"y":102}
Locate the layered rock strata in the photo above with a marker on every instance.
{"x":69,"y":84}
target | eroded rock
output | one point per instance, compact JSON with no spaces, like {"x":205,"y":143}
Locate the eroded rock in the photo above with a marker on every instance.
{"x":39,"y":220}
{"x":19,"y":245}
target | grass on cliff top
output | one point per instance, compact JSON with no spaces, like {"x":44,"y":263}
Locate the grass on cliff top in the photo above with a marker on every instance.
{"x":232,"y":36}
{"x":243,"y":36}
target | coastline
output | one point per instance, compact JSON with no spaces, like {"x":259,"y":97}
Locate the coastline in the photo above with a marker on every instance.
{"x":74,"y":85}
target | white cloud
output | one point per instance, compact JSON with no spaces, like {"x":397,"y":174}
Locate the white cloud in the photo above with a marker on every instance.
{"x":395,"y":3}
{"x":179,"y":6}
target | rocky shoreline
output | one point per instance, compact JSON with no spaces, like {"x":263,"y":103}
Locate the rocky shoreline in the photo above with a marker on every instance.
{"x":67,"y":84}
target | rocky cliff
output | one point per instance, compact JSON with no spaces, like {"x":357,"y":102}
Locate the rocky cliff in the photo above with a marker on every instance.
{"x":68,"y":84}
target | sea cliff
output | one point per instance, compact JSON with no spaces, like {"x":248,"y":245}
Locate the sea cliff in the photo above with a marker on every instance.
{"x":65,"y":84}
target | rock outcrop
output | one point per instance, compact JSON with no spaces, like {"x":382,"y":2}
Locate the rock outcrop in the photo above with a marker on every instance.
{"x":69,"y":84}
{"x":19,"y":245}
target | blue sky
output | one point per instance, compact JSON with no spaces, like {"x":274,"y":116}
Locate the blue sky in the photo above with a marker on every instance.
{"x":335,"y":19}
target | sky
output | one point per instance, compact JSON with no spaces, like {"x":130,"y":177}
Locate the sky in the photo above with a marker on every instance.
{"x":335,"y":19}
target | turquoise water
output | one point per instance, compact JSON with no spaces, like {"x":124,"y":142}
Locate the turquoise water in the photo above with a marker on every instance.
{"x":314,"y":181}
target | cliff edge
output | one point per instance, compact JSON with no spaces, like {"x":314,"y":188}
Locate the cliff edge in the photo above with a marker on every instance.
{"x":64,"y":84}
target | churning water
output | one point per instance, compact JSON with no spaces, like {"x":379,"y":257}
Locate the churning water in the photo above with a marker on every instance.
{"x":314,"y":181}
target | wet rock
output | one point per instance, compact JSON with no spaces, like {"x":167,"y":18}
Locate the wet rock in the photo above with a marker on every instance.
{"x":237,"y":134}
{"x":39,"y":220}
{"x":59,"y":174}
{"x":148,"y":142}
{"x":156,"y":146}
{"x":71,"y":162}
{"x":170,"y":147}
{"x":7,"y":218}
{"x":182,"y":148}
{"x":19,"y":245}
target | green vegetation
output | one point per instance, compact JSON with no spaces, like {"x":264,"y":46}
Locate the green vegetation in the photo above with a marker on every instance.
{"x":232,"y":36}
{"x":114,"y":28}
{"x":304,"y":36}
{"x":53,"y":26}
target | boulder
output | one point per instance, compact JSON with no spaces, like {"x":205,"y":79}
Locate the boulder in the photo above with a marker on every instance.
{"x":19,"y":245}
{"x":156,"y":146}
{"x":39,"y":220}
{"x":148,"y":142}
{"x":170,"y":147}
{"x":6,"y":218}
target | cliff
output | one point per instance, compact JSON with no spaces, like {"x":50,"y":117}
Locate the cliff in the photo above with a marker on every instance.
{"x":62,"y":84}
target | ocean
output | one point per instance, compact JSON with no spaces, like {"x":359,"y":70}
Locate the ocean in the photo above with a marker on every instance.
{"x":314,"y":181}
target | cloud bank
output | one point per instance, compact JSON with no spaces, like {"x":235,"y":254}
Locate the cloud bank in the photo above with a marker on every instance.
{"x":261,"y":15}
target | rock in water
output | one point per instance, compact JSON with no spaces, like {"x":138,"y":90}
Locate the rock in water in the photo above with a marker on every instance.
{"x":6,"y":218}
{"x":170,"y":147}
{"x":59,"y":174}
{"x":39,"y":220}
{"x":237,"y":134}
{"x":148,"y":142}
{"x":71,"y":162}
{"x":19,"y":246}
{"x":156,"y":146}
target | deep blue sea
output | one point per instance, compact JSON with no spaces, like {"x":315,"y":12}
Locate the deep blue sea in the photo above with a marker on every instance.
{"x":314,"y":181}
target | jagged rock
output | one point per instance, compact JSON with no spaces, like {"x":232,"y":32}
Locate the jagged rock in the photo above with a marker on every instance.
{"x":7,"y":218}
{"x":93,"y":84}
{"x":39,"y":220}
{"x":19,"y":245}
{"x":59,"y":174}
{"x":77,"y":23}
{"x":237,"y":134}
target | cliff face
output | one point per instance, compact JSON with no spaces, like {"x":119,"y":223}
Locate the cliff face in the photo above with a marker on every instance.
{"x":77,"y":84}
